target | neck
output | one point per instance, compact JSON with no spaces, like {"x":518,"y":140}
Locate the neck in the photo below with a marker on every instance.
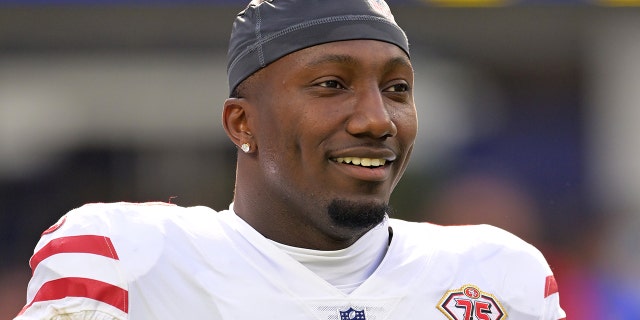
{"x":294,"y":219}
{"x":288,"y":226}
{"x":348,"y":268}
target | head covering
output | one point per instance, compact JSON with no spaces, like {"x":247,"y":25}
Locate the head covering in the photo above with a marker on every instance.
{"x":267,"y":30}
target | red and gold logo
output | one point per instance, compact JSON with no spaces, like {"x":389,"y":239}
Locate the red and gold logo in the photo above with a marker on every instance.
{"x":469,"y":302}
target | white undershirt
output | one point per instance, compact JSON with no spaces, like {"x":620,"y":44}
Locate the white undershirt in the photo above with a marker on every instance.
{"x":348,"y":268}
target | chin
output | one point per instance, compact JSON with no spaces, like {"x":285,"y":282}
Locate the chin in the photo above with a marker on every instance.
{"x":357,"y":215}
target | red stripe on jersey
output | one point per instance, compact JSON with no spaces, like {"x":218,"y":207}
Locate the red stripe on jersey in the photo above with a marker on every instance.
{"x":82,"y":287}
{"x":93,"y":244}
{"x":551,"y":286}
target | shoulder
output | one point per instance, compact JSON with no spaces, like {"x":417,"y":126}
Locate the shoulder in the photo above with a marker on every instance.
{"x":482,"y":249}
{"x":135,"y":233}
{"x":479,"y":241}
{"x":128,"y":213}
{"x":122,"y":219}
{"x":98,"y":227}
{"x":491,"y":258}
{"x":130,"y":236}
{"x":87,"y":260}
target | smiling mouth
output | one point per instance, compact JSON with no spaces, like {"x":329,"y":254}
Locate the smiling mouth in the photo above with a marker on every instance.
{"x":363,"y":162}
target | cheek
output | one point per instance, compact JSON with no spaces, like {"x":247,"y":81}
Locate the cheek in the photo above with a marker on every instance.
{"x":270,"y":165}
{"x":407,"y":123}
{"x":279,"y":150}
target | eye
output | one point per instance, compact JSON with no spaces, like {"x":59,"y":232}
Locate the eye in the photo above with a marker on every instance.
{"x":399,"y":87}
{"x":334,"y":84}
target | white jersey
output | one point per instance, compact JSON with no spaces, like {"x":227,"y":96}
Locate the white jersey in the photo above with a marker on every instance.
{"x":161,"y":261}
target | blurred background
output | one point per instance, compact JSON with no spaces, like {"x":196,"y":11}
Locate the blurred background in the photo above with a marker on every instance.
{"x":529,"y":120}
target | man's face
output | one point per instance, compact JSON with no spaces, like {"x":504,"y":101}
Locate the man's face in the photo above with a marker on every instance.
{"x":335,"y":122}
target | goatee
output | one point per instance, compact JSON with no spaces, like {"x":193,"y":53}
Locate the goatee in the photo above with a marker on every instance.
{"x":357,"y":215}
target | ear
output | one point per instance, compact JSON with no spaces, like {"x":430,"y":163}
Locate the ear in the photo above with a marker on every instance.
{"x":235,"y":119}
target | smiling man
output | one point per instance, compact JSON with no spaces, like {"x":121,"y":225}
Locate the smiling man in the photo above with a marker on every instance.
{"x":330,"y":130}
{"x":321,"y":108}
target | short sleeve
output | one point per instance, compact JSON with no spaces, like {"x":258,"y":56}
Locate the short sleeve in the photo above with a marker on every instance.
{"x":76,"y":271}
{"x":552,"y":308}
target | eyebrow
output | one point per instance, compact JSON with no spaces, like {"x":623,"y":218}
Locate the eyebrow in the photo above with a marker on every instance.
{"x":333,"y":58}
{"x":350,"y":60}
{"x":396,"y":62}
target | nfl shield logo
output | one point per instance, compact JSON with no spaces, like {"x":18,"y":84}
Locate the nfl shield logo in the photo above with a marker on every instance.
{"x":352,"y":314}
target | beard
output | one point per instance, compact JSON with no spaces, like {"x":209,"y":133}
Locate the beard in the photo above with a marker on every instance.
{"x":356,"y":215}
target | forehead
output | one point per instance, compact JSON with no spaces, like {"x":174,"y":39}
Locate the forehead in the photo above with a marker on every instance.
{"x":350,"y":52}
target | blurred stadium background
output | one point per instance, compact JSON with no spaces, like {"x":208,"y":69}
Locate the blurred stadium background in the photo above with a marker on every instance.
{"x":529,"y":120}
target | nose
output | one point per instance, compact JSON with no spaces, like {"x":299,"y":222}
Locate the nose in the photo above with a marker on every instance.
{"x":371,"y":117}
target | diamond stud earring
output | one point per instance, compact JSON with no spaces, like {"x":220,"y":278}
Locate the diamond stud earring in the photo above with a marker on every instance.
{"x":245,"y":147}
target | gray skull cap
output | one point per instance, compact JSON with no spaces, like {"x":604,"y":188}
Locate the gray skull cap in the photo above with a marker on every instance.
{"x":267,"y":30}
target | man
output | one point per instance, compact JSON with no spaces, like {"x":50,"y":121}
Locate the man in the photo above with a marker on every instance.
{"x":322,"y":111}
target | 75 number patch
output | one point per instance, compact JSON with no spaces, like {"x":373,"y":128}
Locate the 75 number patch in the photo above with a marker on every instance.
{"x":469,"y":302}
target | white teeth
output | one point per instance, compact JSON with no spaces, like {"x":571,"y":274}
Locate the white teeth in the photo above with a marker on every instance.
{"x":365,"y":162}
